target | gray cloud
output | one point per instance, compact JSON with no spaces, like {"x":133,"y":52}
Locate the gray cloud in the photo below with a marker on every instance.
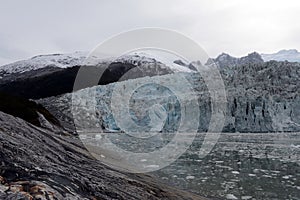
{"x":36,"y":27}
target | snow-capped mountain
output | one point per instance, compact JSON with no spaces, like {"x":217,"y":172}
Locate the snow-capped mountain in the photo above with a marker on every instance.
{"x":41,"y":61}
{"x":78,"y":58}
{"x":51,"y":75}
{"x":291,"y":55}
{"x":159,"y":56}
{"x":224,"y":59}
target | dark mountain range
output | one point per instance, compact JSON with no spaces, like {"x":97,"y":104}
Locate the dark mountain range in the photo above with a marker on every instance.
{"x":225,"y":60}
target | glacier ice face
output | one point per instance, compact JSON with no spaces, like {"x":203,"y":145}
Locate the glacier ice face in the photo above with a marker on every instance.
{"x":159,"y":108}
{"x":151,"y":106}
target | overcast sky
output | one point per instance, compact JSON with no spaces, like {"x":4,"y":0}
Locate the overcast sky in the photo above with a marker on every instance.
{"x":237,"y":27}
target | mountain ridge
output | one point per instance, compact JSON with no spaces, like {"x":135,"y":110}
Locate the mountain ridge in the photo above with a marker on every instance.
{"x":226,"y":60}
{"x":59,"y":60}
{"x":291,"y":55}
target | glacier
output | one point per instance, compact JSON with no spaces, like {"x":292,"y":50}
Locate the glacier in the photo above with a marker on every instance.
{"x":260,"y":98}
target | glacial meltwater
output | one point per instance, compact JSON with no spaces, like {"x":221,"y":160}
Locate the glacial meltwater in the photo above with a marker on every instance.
{"x":240,"y":166}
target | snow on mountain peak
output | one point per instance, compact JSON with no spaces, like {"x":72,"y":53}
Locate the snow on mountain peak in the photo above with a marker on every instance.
{"x":291,"y":55}
{"x":162,"y":57}
{"x":41,"y":61}
{"x":79,"y":58}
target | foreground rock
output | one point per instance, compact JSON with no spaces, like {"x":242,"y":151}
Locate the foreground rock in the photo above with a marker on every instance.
{"x":38,"y":164}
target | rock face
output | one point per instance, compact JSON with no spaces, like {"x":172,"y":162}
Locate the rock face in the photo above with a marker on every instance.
{"x":262,"y":97}
{"x":29,"y":111}
{"x":39,"y":164}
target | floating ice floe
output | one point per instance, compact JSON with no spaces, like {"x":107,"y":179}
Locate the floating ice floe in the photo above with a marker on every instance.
{"x":246,"y":197}
{"x":152,"y":166}
{"x":190,"y":177}
{"x":231,"y":196}
{"x":286,"y":177}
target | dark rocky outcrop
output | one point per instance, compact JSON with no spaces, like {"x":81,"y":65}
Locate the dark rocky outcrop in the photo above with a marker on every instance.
{"x":40,"y":83}
{"x":28,"y":110}
{"x":36,"y":163}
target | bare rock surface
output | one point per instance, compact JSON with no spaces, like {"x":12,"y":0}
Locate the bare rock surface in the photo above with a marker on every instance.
{"x":36,"y":163}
